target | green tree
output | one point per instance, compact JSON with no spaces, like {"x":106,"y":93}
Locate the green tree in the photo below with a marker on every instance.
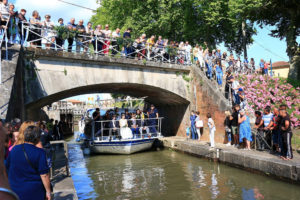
{"x":198,"y":21}
{"x":285,"y":17}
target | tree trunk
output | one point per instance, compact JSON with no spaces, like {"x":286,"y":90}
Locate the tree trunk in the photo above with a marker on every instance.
{"x":294,"y":72}
{"x":244,"y":39}
{"x":293,"y":51}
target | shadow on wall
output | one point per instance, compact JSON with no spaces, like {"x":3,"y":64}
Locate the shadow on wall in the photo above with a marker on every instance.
{"x":173,"y":118}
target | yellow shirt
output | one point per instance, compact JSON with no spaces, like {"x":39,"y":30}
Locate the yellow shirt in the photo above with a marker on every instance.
{"x":150,"y":42}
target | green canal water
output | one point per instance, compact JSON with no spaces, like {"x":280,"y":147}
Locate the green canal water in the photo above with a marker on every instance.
{"x":168,"y":175}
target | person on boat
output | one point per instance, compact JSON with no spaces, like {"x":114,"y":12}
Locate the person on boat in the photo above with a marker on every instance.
{"x":139,"y":114}
{"x":134,"y":125}
{"x":125,"y":132}
{"x":114,"y":126}
{"x":144,"y":127}
{"x":127,"y":114}
{"x":117,"y":112}
{"x":97,"y":117}
{"x":153,"y":116}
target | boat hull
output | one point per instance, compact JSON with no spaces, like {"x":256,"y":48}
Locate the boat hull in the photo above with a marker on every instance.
{"x":121,"y":147}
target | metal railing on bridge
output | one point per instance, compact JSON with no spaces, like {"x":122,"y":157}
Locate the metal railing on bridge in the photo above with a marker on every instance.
{"x":105,"y":46}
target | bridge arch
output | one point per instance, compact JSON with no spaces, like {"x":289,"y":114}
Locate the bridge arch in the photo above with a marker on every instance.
{"x":53,"y":77}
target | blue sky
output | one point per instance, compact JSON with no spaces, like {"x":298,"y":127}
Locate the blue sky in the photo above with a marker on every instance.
{"x":265,"y":46}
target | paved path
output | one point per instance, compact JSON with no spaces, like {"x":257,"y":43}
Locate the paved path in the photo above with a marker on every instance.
{"x":63,"y":187}
{"x":260,"y":161}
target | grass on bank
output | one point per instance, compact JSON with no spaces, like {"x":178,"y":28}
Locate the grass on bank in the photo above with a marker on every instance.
{"x":296,"y":140}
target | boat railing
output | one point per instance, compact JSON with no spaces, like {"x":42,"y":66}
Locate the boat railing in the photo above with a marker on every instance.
{"x":141,"y":128}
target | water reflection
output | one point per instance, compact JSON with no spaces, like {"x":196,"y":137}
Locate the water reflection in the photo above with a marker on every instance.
{"x":170,"y":175}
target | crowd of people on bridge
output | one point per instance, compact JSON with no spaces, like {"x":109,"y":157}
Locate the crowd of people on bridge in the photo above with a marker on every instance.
{"x":272,"y":130}
{"x":40,"y":33}
{"x":126,"y":125}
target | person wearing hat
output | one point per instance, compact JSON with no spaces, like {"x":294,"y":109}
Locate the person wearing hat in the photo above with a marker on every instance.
{"x":242,"y":98}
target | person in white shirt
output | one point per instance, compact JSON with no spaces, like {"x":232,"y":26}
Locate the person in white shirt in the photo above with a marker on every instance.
{"x":188,"y":49}
{"x":212,"y":129}
{"x":125,"y":132}
{"x":115,"y":47}
{"x":201,"y":58}
{"x":199,"y":125}
{"x":98,"y":42}
{"x":107,"y":34}
{"x":48,"y":34}
{"x":235,"y":87}
{"x":87,"y":40}
{"x":4,"y":10}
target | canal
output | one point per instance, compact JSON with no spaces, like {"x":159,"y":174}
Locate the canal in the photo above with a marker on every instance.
{"x":168,"y":175}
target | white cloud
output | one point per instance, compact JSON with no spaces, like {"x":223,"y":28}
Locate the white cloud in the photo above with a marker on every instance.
{"x":58,"y":9}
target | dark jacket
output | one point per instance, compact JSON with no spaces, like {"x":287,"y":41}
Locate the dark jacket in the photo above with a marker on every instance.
{"x":130,"y":123}
{"x":116,"y":124}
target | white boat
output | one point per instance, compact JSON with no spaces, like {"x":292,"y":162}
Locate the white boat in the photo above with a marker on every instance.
{"x":101,"y":140}
{"x":126,"y":146}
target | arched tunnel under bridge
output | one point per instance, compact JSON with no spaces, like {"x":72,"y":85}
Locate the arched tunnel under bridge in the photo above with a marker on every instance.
{"x":170,"y":106}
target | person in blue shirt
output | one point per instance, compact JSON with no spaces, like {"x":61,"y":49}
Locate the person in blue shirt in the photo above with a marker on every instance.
{"x":209,"y":65}
{"x":127,"y":47}
{"x":261,"y":66}
{"x":193,"y":129}
{"x":218,"y":54}
{"x":152,"y":114}
{"x":219,"y":73}
{"x":28,"y":172}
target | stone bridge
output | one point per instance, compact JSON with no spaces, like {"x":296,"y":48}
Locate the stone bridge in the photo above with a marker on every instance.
{"x":44,"y":76}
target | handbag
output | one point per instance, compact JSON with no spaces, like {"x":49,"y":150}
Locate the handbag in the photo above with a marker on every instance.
{"x":32,"y":166}
{"x":199,"y":124}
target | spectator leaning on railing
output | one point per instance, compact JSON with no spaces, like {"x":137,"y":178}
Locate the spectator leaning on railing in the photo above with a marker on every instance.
{"x":106,"y":42}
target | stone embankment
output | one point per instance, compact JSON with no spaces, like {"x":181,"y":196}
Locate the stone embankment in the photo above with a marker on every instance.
{"x":63,"y":186}
{"x":254,"y":161}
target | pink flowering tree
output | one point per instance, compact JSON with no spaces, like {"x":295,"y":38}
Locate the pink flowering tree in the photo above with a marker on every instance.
{"x":261,"y":91}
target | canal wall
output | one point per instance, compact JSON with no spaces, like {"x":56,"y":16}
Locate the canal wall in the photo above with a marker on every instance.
{"x":254,"y":161}
{"x":63,"y":186}
{"x":208,"y":98}
{"x":11,"y":105}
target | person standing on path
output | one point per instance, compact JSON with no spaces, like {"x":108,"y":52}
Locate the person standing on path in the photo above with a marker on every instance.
{"x":212,"y":129}
{"x":228,"y":129}
{"x":193,"y":125}
{"x":286,"y":134}
{"x":234,"y":125}
{"x":199,"y":125}
{"x":245,"y":129}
